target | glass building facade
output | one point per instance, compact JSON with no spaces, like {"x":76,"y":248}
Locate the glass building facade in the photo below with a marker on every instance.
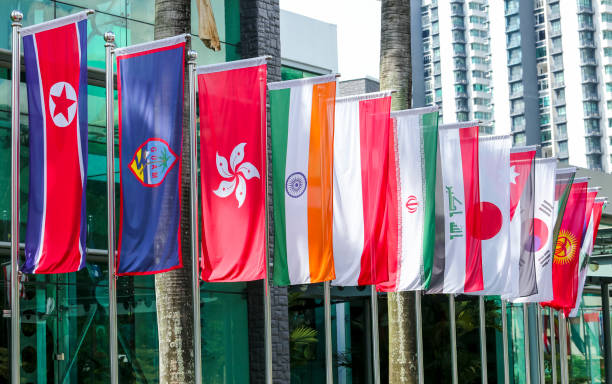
{"x":64,"y":318}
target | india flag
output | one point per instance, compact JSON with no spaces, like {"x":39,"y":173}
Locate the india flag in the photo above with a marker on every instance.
{"x":302,"y":124}
{"x":412,"y":224}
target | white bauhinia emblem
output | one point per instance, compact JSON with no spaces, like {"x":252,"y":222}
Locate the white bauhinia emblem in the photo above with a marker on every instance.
{"x":236,"y":177}
{"x":62,"y":103}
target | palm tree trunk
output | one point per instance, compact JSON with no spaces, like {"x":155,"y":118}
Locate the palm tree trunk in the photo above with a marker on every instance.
{"x":173,"y":293}
{"x":396,"y":73}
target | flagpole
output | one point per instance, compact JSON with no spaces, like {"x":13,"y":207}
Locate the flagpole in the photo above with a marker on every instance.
{"x":504,"y":317}
{"x":195,"y":266}
{"x":269,"y":375}
{"x":563,"y":347}
{"x":453,"y":334}
{"x":109,"y":38}
{"x":540,"y":343}
{"x":329,"y":373}
{"x":16,"y":18}
{"x":375,"y":338}
{"x":553,"y":345}
{"x":483,"y":340}
{"x":419,"y":326}
{"x":526,"y":344}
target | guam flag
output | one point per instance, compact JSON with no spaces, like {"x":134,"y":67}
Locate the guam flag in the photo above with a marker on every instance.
{"x":56,"y":75}
{"x":150,"y":93}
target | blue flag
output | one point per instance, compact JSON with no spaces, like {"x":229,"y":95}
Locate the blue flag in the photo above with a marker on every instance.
{"x":150,"y":93}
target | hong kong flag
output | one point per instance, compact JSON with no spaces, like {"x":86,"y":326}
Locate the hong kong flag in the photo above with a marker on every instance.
{"x":233,"y":155}
{"x":55,"y":56}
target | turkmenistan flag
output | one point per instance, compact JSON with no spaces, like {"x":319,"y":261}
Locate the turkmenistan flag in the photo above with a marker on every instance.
{"x":302,"y":124}
{"x":412,"y":226}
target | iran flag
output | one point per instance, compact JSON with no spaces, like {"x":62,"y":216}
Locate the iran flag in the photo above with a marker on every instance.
{"x":459,"y":268}
{"x":493,"y":212}
{"x":361,"y":174}
{"x":542,"y":233}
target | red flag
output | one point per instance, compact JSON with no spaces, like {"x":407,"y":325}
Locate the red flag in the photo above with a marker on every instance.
{"x":233,"y":169}
{"x":565,"y":265}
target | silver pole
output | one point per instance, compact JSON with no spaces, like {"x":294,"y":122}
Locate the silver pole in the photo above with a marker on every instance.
{"x":526,"y":344}
{"x":563,"y":348}
{"x":329,"y":373}
{"x":483,"y":340}
{"x":504,"y":313}
{"x":419,"y":326}
{"x":268,"y":328}
{"x":109,"y":37}
{"x":453,"y":334}
{"x":553,"y":345}
{"x":16,"y":17}
{"x":195,"y":266}
{"x":375,"y":339}
{"x":540,"y":343}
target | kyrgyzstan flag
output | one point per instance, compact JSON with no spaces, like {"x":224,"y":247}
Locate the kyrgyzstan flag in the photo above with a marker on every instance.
{"x":233,"y":155}
{"x":459,"y":268}
{"x":565,"y":264}
{"x":361,"y":163}
{"x":55,"y":56}
{"x":521,"y":277}
{"x":150,"y":80}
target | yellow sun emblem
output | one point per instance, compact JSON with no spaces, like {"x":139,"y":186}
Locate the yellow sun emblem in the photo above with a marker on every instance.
{"x":566,"y":247}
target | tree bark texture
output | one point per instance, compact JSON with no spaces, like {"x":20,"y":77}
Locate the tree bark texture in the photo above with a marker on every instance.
{"x":396,"y":74}
{"x":173,"y":290}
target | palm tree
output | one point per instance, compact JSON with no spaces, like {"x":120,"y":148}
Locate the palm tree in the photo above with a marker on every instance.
{"x":173,"y":290}
{"x":396,"y":73}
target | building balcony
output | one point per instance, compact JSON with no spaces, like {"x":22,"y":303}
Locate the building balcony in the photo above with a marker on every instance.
{"x":517,"y":111}
{"x":591,"y":115}
{"x":561,"y":136}
{"x":592,"y":133}
{"x":457,"y":27}
{"x":460,"y":66}
{"x":605,"y":8}
{"x":554,"y":33}
{"x":563,"y":155}
{"x":556,"y":67}
{"x":516,"y":95}
{"x":555,"y":50}
{"x":587,"y":44}
{"x":515,"y":78}
{"x":588,"y":61}
{"x":554,"y":15}
{"x":559,"y":101}
{"x":514,"y":61}
{"x":509,"y":11}
{"x":518,"y":128}
{"x":586,"y":27}
{"x":591,"y":96}
{"x":558,"y":84}
{"x":593,"y":151}
{"x":585,"y":9}
{"x":513,"y":43}
{"x":513,"y":27}
{"x":461,"y":95}
{"x":559,"y":119}
{"x":462,"y":107}
{"x":461,"y":81}
{"x":589,"y":79}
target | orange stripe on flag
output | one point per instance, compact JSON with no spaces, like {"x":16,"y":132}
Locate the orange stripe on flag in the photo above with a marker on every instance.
{"x":320,"y":183}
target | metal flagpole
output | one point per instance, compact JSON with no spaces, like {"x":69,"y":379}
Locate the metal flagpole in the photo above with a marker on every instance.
{"x":540,"y":343}
{"x":419,"y":335}
{"x":563,"y":348}
{"x":267,"y":296}
{"x":195,"y":252}
{"x":453,"y":332}
{"x":109,"y":38}
{"x":375,"y":343}
{"x":16,"y":18}
{"x":504,"y":318}
{"x":553,"y":345}
{"x":329,"y":373}
{"x":526,"y":344}
{"x":483,"y":340}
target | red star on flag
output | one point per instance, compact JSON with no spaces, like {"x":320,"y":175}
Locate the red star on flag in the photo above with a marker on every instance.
{"x":62,"y":103}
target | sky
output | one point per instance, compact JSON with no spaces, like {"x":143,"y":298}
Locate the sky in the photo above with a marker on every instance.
{"x":358,"y":23}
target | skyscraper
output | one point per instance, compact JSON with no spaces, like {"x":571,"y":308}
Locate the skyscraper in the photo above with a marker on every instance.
{"x":538,"y":69}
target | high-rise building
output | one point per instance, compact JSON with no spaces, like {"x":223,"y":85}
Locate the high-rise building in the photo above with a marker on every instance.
{"x":538,"y":69}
